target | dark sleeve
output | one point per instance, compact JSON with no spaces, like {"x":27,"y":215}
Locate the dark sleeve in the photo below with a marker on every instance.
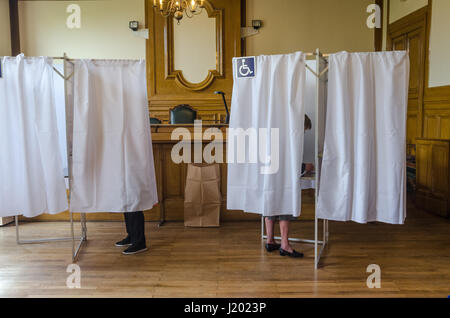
{"x":303,"y":168}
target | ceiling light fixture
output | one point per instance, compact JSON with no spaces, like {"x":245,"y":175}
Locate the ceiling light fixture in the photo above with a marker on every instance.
{"x":179,"y":8}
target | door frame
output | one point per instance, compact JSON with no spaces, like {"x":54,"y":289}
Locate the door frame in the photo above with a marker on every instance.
{"x":415,"y":21}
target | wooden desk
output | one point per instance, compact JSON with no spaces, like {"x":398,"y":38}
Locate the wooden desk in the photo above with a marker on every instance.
{"x":171,"y":177}
{"x":162,"y":133}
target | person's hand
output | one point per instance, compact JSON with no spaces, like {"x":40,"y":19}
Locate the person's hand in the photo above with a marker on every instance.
{"x":309,"y":167}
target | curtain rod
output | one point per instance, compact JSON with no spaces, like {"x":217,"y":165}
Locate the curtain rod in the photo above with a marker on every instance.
{"x":323,"y":56}
{"x":306,"y":54}
{"x":315,"y":54}
{"x":61,"y":58}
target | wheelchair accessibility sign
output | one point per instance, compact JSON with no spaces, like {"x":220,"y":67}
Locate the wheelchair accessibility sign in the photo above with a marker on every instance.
{"x":245,"y":67}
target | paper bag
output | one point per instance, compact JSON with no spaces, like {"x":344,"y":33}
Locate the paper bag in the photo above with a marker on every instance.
{"x":202,"y":200}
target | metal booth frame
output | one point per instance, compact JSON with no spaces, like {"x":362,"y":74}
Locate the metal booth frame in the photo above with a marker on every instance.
{"x":77,"y":242}
{"x":321,"y":70}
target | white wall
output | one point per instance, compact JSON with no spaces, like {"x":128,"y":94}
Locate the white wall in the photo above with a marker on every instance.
{"x":440,"y":44}
{"x":104,"y":31}
{"x":401,"y":8}
{"x":5,"y":33}
{"x":293,"y":25}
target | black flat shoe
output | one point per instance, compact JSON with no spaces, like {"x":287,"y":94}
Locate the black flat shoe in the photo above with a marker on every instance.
{"x":135,"y":249}
{"x":272,"y":247}
{"x":125,"y":242}
{"x":294,"y":254}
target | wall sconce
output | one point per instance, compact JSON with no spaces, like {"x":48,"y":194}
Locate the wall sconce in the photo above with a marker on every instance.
{"x":253,"y":30}
{"x":134,"y":25}
{"x":256,"y":24}
{"x":142,"y":33}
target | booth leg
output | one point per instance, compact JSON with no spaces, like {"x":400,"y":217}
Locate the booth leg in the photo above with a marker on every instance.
{"x":162,"y":220}
{"x":46,"y":240}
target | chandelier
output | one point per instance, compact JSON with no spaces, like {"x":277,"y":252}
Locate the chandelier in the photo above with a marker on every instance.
{"x":179,"y":8}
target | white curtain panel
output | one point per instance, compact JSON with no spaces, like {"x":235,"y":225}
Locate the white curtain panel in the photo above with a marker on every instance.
{"x":31,"y":171}
{"x":364,"y":162}
{"x":113,"y":168}
{"x":60,"y":106}
{"x":273,"y":99}
{"x":310,"y":110}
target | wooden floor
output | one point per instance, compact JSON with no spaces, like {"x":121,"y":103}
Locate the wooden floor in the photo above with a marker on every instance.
{"x":231,"y":262}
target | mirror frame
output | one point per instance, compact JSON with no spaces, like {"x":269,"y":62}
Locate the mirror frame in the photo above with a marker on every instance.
{"x":177,"y":75}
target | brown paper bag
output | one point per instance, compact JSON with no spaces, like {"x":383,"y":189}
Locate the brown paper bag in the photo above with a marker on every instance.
{"x":202,"y":200}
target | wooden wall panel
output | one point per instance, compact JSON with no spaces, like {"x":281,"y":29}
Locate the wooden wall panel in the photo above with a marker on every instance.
{"x":439,"y":174}
{"x":411,"y":132}
{"x":416,"y":48}
{"x":14,"y":27}
{"x":399,"y":43}
{"x":424,"y":168}
{"x":409,"y":33}
{"x":432,"y":126}
{"x":437,"y":123}
{"x":445,"y":127}
{"x":433,"y":176}
{"x":379,"y":31}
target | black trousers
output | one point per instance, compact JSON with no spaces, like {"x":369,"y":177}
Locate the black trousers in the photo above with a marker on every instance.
{"x":135,"y":224}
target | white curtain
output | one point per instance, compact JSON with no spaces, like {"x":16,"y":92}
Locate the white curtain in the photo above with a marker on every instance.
{"x":31,"y":171}
{"x":113,"y":168}
{"x":60,"y":105}
{"x":310,"y":111}
{"x":273,"y":99}
{"x":364,"y":163}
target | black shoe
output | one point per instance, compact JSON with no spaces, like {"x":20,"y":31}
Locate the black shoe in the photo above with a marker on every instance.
{"x":125,"y":242}
{"x":135,"y":249}
{"x":272,"y":247}
{"x":294,"y":253}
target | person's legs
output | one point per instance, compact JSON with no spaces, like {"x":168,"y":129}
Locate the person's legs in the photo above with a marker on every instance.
{"x":126,"y":241}
{"x":270,"y":225}
{"x":284,"y":229}
{"x":136,"y":224}
{"x":286,"y":248}
{"x":127,"y":223}
{"x":271,"y":245}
